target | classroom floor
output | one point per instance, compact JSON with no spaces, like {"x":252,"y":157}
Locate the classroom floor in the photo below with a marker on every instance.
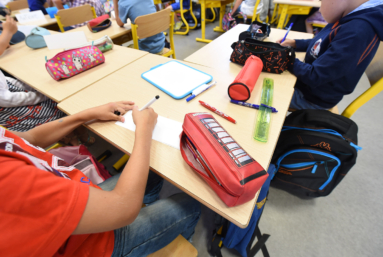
{"x":346,"y":223}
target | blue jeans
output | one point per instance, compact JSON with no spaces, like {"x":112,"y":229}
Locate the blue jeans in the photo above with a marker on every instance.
{"x":299,"y":102}
{"x":157,"y":224}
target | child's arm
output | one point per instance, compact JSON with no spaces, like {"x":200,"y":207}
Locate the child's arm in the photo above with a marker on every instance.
{"x":9,"y":28}
{"x":49,"y":133}
{"x":58,"y":4}
{"x":236,"y":5}
{"x":15,"y":99}
{"x":346,"y":51}
{"x":117,"y":13}
{"x":300,"y":45}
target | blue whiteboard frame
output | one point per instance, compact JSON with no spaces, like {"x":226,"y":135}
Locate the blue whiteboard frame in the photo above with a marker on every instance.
{"x":169,"y":93}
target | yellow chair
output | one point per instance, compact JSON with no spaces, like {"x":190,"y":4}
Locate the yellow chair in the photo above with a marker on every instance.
{"x":375,"y":75}
{"x":17,"y":5}
{"x":151,"y":24}
{"x":74,"y":16}
{"x":182,"y":11}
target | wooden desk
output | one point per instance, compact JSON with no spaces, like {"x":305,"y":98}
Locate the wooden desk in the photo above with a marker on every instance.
{"x":207,"y":4}
{"x":166,"y":160}
{"x":115,"y":32}
{"x":291,"y":7}
{"x":217,"y":54}
{"x":31,"y":70}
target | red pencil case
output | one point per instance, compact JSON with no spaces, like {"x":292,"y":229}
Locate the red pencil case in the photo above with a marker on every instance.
{"x":99,"y":23}
{"x":71,"y":62}
{"x":228,"y":169}
{"x":246,"y":79}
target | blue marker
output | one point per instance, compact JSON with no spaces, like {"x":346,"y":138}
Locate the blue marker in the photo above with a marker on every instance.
{"x":199,"y":90}
{"x":254,"y":106}
{"x":288,"y":30}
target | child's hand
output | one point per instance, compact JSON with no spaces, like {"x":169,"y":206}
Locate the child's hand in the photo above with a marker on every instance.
{"x":287,"y":42}
{"x":10,"y":26}
{"x":145,"y":120}
{"x":107,"y":111}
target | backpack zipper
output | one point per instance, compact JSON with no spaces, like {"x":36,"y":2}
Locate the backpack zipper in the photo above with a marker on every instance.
{"x":327,"y":131}
{"x":303,"y":165}
{"x":331,"y":175}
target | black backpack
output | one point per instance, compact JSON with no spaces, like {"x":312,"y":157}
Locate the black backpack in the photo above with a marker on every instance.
{"x":314,"y":152}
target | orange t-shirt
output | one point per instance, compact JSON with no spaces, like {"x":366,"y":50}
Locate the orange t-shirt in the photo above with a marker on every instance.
{"x":42,"y":200}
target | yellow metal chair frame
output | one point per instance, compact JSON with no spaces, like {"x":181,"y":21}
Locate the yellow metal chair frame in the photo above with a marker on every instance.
{"x":61,"y":25}
{"x":182,"y":11}
{"x":363,"y":98}
{"x":171,"y":27}
{"x":285,"y":11}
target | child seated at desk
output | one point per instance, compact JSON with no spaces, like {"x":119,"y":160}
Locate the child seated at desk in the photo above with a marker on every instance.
{"x":21,"y":107}
{"x":247,"y":7}
{"x":337,"y":56}
{"x":49,"y":208}
{"x":131,"y":9}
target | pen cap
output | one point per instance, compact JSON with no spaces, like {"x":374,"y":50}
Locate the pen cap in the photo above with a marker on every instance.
{"x":245,"y":81}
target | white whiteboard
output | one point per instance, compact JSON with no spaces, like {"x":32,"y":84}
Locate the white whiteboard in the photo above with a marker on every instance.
{"x":176,"y":79}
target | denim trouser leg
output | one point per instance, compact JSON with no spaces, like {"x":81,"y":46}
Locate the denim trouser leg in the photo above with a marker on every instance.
{"x":299,"y":102}
{"x":157,"y":225}
{"x":153,"y":186}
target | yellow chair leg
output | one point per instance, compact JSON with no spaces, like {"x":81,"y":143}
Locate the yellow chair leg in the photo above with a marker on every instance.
{"x":186,"y":26}
{"x":283,"y":15}
{"x":222,"y":11}
{"x":213,"y":19}
{"x":363,"y":98}
{"x":194,"y":18}
{"x":203,"y":15}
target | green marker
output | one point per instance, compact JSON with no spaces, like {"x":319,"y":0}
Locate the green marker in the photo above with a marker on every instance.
{"x":261,"y":132}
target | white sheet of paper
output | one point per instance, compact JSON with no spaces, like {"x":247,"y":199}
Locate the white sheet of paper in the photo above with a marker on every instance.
{"x":23,"y":18}
{"x":65,"y":40}
{"x":26,"y":29}
{"x":167,"y":131}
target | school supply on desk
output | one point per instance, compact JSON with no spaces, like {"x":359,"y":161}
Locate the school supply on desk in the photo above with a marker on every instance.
{"x":262,"y":125}
{"x":150,"y":102}
{"x":242,"y":86}
{"x":176,"y":79}
{"x":275,"y":58}
{"x":288,"y":30}
{"x":72,"y":62}
{"x":235,"y":175}
{"x":53,"y":10}
{"x":257,"y":30}
{"x":213,"y":109}
{"x":27,"y":17}
{"x":166,"y":131}
{"x":35,"y":39}
{"x":315,"y":151}
{"x":104,"y":43}
{"x":100,"y":23}
{"x":65,"y":40}
{"x":199,"y":90}
{"x":254,"y":106}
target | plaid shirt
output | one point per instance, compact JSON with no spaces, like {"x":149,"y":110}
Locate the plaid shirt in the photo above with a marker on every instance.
{"x":98,"y":7}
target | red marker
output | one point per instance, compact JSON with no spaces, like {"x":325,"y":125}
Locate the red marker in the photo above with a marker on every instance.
{"x":211,"y":108}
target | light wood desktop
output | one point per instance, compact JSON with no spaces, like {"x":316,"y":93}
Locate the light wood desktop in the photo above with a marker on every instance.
{"x":286,"y":8}
{"x":217,"y":54}
{"x":114,"y":31}
{"x":207,"y":4}
{"x":31,"y":70}
{"x":127,"y":84}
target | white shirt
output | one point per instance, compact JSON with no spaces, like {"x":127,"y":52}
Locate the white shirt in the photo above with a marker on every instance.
{"x":16,"y":99}
{"x":247,"y":7}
